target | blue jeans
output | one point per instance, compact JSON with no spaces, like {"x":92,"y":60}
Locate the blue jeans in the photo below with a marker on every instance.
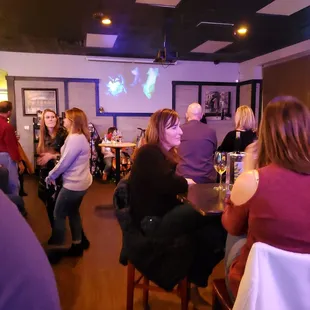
{"x":234,"y":245}
{"x":11,"y":165}
{"x":108,"y":165}
{"x":68,"y":204}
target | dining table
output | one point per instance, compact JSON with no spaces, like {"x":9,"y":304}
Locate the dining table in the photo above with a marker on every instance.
{"x":117,"y":146}
{"x":205,"y":199}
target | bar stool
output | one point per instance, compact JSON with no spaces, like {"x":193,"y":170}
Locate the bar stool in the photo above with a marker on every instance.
{"x":132,"y":283}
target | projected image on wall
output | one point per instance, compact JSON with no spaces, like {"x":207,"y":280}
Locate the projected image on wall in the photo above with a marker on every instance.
{"x":134,"y":87}
{"x":136,"y":82}
{"x":116,"y":85}
{"x":149,"y":86}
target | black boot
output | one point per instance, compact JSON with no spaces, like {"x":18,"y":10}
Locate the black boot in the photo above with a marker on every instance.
{"x":85,"y":241}
{"x":76,"y":250}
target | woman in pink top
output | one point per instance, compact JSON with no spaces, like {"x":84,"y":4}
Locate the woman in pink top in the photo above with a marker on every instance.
{"x":271,"y":204}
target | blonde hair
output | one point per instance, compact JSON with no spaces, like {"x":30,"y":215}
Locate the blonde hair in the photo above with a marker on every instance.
{"x":44,"y":135}
{"x":244,"y":118}
{"x":284,"y":135}
{"x":79,"y":122}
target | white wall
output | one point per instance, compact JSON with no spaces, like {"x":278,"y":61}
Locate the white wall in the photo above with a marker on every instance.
{"x":252,"y":69}
{"x":69,"y":66}
{"x":46,"y":65}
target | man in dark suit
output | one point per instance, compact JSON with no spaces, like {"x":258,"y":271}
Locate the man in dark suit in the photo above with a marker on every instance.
{"x":198,"y":144}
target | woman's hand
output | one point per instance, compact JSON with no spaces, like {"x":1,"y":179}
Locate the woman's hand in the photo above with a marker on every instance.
{"x":190,"y":181}
{"x":45,"y":157}
{"x":49,"y":181}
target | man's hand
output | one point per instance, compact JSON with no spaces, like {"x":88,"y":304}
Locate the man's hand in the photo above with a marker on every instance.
{"x":21,"y":167}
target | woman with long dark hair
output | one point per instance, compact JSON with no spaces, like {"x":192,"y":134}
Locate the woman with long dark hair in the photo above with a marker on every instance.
{"x":270,"y":204}
{"x":51,"y":138}
{"x":178,"y":241}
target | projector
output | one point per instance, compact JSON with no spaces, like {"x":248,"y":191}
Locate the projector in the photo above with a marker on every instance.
{"x":163,"y":58}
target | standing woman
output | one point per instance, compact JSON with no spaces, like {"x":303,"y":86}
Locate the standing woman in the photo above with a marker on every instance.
{"x":51,"y":139}
{"x":76,"y":177}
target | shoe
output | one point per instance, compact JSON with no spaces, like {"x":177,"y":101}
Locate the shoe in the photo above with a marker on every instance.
{"x":54,"y":257}
{"x":85,"y":242}
{"x":54,"y":241}
{"x":76,"y":250}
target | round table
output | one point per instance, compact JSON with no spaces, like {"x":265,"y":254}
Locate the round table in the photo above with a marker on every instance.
{"x":204,"y":198}
{"x":117,"y":146}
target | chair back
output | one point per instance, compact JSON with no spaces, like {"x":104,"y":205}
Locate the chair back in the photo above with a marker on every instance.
{"x":121,"y":195}
{"x":274,"y":279}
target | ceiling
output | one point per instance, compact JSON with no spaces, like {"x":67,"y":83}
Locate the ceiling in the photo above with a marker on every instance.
{"x":60,"y":27}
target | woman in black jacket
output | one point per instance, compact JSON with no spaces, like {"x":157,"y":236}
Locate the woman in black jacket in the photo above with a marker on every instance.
{"x":167,"y":240}
{"x":51,"y":139}
{"x":243,"y":135}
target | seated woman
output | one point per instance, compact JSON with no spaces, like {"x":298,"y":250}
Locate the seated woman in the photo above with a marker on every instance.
{"x":178,"y":241}
{"x":271,"y":204}
{"x":243,"y":135}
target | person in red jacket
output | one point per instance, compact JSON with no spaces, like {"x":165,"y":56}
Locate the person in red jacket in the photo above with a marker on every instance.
{"x":9,"y":154}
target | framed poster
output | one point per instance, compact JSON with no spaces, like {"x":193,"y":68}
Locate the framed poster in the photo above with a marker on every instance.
{"x":39,"y":99}
{"x":217,"y":103}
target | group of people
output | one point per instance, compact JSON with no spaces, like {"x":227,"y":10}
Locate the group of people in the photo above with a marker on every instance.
{"x":64,"y":170}
{"x":276,"y":178}
{"x":64,"y":174}
{"x":165,"y":239}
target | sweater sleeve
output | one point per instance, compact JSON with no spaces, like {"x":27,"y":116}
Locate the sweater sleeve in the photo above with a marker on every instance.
{"x":235,"y":219}
{"x":70,"y":152}
{"x":11,"y":143}
{"x":151,"y":167}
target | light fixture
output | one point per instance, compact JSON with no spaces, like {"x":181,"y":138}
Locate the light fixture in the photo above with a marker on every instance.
{"x":242,"y":30}
{"x":104,"y":19}
{"x":128,"y":60}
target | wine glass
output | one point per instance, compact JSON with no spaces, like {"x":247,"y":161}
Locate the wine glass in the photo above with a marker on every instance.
{"x":220,"y":165}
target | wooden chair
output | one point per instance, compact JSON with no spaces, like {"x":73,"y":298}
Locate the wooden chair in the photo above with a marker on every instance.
{"x":220,"y":296}
{"x":133,"y":283}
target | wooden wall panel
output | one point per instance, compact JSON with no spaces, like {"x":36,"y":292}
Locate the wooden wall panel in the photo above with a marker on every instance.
{"x":288,"y":78}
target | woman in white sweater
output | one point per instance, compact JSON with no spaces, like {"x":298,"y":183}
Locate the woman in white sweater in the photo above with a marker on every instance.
{"x":74,"y":168}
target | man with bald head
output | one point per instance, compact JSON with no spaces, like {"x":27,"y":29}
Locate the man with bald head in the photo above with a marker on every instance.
{"x":198,"y":144}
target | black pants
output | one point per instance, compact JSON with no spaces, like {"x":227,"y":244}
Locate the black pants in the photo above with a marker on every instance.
{"x":207,"y":234}
{"x":48,"y":196}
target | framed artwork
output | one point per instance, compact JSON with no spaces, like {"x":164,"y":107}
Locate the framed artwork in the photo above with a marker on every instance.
{"x":39,"y":99}
{"x":217,"y":103}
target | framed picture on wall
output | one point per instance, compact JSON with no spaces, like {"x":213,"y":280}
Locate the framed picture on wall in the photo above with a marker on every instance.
{"x":217,"y":103}
{"x":39,"y":99}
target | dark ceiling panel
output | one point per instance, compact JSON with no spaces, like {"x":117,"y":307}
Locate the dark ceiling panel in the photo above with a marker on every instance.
{"x":60,"y":26}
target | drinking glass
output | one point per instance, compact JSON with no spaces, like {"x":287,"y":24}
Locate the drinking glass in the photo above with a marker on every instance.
{"x":220,"y":165}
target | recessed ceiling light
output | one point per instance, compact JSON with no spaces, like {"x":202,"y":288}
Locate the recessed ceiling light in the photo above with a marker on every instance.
{"x":242,"y":31}
{"x":106,"y":21}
